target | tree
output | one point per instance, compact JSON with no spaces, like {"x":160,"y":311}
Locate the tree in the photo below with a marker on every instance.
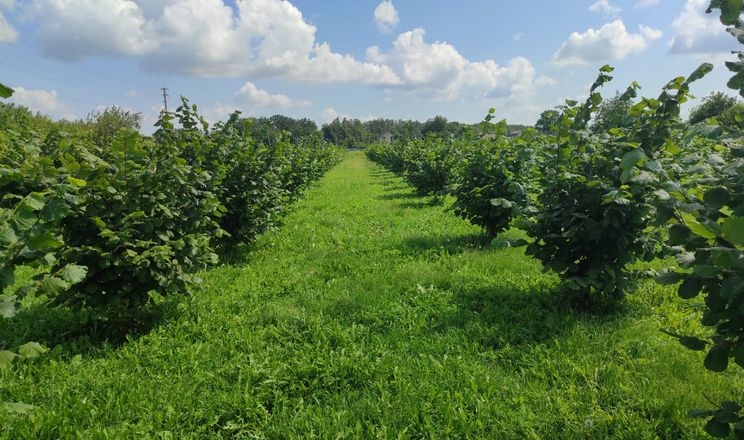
{"x":712,"y":105}
{"x":613,"y":113}
{"x":547,"y":119}
{"x":107,"y":123}
{"x":435,"y":125}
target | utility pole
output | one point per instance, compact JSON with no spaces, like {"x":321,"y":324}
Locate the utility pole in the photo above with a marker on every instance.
{"x":165,"y":98}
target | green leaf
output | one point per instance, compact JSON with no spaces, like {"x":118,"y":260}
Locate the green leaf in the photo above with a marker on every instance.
{"x":678,"y":234}
{"x":7,"y":277}
{"x":631,"y":158}
{"x":668,"y":277}
{"x":701,"y":71}
{"x":733,"y":230}
{"x":731,"y":406}
{"x":55,"y":210}
{"x":689,"y":288}
{"x":730,"y":11}
{"x":692,"y":343}
{"x":6,"y":359}
{"x":73,"y":274}
{"x":716,"y":198}
{"x":717,"y":429}
{"x":700,"y":413}
{"x":717,"y":358}
{"x":43,"y":242}
{"x":23,"y":220}
{"x":76,"y":182}
{"x":696,"y":227}
{"x":739,"y":355}
{"x":32,"y":350}
{"x":8,"y":236}
{"x":5,"y":91}
{"x":7,"y":307}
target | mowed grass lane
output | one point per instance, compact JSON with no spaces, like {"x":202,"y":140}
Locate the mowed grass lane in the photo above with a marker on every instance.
{"x":373,"y":313}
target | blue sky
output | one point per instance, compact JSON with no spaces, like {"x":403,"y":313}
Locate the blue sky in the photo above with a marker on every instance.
{"x":400,"y":59}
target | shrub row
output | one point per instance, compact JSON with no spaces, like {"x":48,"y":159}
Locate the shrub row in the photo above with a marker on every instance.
{"x":108,"y":227}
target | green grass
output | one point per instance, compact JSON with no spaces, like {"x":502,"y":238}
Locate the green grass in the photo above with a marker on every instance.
{"x":372,"y":313}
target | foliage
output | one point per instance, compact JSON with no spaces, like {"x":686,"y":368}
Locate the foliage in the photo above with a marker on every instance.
{"x":110,"y":227}
{"x":712,"y":105}
{"x":548,"y":119}
{"x":599,"y":202}
{"x":493,"y":185}
{"x":371,"y":314}
{"x":107,"y":123}
{"x":613,"y":113}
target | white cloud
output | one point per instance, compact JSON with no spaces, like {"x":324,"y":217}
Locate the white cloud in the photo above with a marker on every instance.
{"x":328,"y":115}
{"x":610,"y":42}
{"x":8,"y":34}
{"x":437,"y":70}
{"x":386,"y":17}
{"x":198,"y":37}
{"x":604,"y":7}
{"x":698,"y":32}
{"x":518,"y":36}
{"x":73,"y":29}
{"x":251,"y":95}
{"x":646,"y":3}
{"x":43,"y":101}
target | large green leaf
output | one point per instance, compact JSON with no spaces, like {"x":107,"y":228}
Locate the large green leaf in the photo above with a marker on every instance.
{"x":5,"y":91}
{"x":733,"y":230}
{"x":43,"y":241}
{"x":6,"y":359}
{"x":717,"y":358}
{"x":32,"y":350}
{"x":74,"y":273}
{"x":717,"y":429}
{"x":716,"y":198}
{"x":692,"y":343}
{"x":689,"y":288}
{"x":730,"y":11}
{"x":697,"y":227}
{"x":668,"y":277}
{"x":7,"y":307}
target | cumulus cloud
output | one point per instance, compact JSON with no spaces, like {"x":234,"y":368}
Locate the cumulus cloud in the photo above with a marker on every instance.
{"x":253,"y":96}
{"x":328,"y":115}
{"x":437,"y":70}
{"x":610,"y":42}
{"x":698,"y":32}
{"x":73,"y":29}
{"x":604,"y":7}
{"x":198,"y":37}
{"x":43,"y":101}
{"x":386,"y":17}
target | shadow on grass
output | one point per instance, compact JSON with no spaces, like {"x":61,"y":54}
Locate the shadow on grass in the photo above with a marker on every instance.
{"x":70,"y":332}
{"x":450,"y":244}
{"x":399,"y":195}
{"x":511,"y":316}
{"x":493,"y":317}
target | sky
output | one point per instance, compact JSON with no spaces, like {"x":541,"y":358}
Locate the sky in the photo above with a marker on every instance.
{"x":362,"y":59}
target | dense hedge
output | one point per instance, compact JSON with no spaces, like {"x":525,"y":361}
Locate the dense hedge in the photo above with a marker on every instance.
{"x":109,"y":226}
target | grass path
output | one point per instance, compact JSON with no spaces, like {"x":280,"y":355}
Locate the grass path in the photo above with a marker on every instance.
{"x":373,"y":314}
